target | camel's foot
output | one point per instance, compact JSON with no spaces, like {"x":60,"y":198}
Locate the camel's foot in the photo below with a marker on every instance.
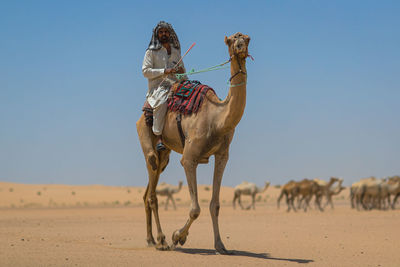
{"x":162,"y":244}
{"x":221,"y":250}
{"x":151,"y":242}
{"x":179,"y":237}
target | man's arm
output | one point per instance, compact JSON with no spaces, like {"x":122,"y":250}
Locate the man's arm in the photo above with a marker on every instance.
{"x":147,"y":68}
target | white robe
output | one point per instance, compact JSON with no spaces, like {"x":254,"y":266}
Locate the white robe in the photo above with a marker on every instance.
{"x":154,"y":64}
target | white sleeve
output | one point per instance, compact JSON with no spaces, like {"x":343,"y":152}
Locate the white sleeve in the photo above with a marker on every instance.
{"x":147,"y":68}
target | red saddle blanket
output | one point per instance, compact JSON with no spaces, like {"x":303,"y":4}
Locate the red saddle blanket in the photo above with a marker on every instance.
{"x":188,"y":97}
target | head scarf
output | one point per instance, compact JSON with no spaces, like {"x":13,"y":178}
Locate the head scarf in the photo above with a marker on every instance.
{"x":155,"y":44}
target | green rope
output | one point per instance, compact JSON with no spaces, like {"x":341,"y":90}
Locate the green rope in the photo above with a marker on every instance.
{"x":192,"y":71}
{"x":216,"y":67}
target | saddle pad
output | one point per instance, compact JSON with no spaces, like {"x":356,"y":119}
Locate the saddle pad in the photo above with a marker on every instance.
{"x":188,"y":97}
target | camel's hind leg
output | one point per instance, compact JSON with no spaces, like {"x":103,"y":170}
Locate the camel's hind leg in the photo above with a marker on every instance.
{"x":155,"y":163}
{"x":151,"y":202}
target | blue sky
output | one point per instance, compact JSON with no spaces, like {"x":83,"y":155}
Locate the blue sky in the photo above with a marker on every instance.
{"x":322,"y":97}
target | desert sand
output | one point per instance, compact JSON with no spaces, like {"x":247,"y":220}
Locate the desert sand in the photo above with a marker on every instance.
{"x":65,"y":225}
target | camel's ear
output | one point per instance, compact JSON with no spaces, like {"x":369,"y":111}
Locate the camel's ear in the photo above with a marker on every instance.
{"x":227,"y":41}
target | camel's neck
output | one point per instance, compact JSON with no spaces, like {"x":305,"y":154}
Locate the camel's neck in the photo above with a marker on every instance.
{"x":177,"y":189}
{"x":331,"y":181}
{"x":262,"y":190}
{"x":338,"y":187}
{"x":235,"y":102}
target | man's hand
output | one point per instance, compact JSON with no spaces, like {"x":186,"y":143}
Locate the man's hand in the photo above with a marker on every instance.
{"x":169,"y":71}
{"x":180,"y":70}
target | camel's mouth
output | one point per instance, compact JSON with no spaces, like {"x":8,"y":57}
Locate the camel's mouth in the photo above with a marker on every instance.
{"x":241,"y":53}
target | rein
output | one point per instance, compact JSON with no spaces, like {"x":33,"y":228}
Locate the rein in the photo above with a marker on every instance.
{"x":217,"y":67}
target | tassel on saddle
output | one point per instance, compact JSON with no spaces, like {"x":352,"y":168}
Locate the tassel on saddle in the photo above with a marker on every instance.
{"x":148,"y":113}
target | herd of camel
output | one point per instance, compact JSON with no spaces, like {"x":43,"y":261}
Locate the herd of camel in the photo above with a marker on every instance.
{"x":368,"y":193}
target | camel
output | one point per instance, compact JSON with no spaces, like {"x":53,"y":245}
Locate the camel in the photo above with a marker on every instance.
{"x":388,"y":188}
{"x":207,"y":132}
{"x":248,"y":189}
{"x":290,"y":190}
{"x":334,"y":191}
{"x":168,"y":190}
{"x":356,"y":191}
{"x":324,"y":187}
{"x":393,"y":180}
{"x":373,"y":193}
{"x":307,"y":189}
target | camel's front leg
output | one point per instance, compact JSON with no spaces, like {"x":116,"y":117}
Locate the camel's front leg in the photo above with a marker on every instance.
{"x":291,"y":202}
{"x":220,"y":163}
{"x":240,"y":202}
{"x":173,"y":202}
{"x":147,"y":208}
{"x":190,"y":166}
{"x":166,"y":203}
{"x":253,"y":201}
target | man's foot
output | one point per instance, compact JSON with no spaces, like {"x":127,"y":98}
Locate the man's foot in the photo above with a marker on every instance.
{"x":160,"y":147}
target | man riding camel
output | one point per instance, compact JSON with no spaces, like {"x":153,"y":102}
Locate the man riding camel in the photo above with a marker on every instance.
{"x":160,"y":64}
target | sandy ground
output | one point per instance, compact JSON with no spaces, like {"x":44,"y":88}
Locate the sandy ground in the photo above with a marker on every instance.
{"x":54,"y":225}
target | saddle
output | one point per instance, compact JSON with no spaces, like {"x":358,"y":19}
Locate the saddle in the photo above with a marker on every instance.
{"x":186,"y":98}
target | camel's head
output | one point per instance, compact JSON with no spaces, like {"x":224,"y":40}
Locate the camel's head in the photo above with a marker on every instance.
{"x":334,"y":179}
{"x":238,"y":45}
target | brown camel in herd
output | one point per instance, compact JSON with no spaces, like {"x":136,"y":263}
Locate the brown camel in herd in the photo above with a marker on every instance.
{"x":248,"y":189}
{"x":304,"y":190}
{"x":207,"y":132}
{"x":290,"y":190}
{"x":168,"y":190}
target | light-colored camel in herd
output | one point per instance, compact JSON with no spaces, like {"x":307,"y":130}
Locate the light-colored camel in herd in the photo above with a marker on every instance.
{"x":357,"y":189}
{"x":168,"y":190}
{"x":334,"y":190}
{"x":373,"y":193}
{"x":324,"y":187}
{"x":208,"y":132}
{"x":394,"y":180}
{"x":248,"y":189}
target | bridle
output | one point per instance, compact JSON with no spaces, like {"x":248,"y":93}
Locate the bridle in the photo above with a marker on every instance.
{"x":240,"y":67}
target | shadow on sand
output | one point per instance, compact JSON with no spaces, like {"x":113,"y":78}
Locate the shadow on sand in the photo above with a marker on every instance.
{"x":265,"y":256}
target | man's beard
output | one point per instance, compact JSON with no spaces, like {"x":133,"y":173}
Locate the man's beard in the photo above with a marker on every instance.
{"x":164,"y":39}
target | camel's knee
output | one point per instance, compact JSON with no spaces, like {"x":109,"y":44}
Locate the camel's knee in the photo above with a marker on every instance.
{"x":153,"y":202}
{"x":152,"y":160}
{"x":194,"y":213}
